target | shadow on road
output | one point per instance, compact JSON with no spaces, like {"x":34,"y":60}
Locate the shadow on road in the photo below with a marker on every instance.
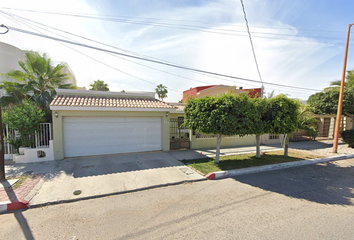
{"x":22,"y":221}
{"x":326,"y":183}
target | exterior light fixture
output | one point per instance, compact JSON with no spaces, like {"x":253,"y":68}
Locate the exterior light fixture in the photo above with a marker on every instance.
{"x":166,"y":114}
{"x":56,"y":114}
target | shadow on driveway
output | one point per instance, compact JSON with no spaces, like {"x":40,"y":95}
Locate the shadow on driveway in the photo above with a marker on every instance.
{"x":112,"y":164}
{"x":328,"y":183}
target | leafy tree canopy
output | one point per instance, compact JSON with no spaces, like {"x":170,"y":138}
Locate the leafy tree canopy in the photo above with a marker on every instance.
{"x":327,"y":102}
{"x":99,"y":85}
{"x":227,"y":114}
{"x":281,"y":115}
{"x":24,"y":117}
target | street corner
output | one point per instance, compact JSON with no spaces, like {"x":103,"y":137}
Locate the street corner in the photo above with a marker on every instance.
{"x":12,"y":206}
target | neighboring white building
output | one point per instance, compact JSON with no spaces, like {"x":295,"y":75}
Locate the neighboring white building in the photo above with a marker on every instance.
{"x":10,"y":55}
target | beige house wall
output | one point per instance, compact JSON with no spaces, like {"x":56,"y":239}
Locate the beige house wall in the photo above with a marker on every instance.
{"x":58,"y":137}
{"x":227,"y":142}
{"x":218,"y":90}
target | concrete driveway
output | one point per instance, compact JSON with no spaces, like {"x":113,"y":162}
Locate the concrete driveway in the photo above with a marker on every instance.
{"x":104,"y":175}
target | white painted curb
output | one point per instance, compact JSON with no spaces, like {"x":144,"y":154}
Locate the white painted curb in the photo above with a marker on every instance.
{"x":237,"y":172}
{"x":3,"y":207}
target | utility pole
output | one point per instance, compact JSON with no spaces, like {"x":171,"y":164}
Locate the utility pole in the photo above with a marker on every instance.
{"x":341,"y":93}
{"x":2,"y":152}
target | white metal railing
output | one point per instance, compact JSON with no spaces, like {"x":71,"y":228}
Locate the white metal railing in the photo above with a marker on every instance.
{"x":44,"y":135}
{"x":41,"y":137}
{"x":8,"y":133}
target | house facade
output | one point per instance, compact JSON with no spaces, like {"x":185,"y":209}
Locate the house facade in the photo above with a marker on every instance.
{"x":88,"y":123}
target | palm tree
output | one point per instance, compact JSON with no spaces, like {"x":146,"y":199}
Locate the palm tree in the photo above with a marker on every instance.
{"x":99,"y":86}
{"x":161,"y":91}
{"x":38,"y":78}
{"x":349,"y":82}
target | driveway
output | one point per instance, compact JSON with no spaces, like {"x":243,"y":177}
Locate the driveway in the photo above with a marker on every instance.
{"x":105,"y":175}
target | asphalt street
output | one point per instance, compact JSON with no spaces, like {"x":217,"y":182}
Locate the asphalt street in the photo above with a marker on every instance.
{"x":309,"y":202}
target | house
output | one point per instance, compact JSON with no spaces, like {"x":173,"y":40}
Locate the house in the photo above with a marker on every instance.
{"x":87,"y":123}
{"x":97,"y":122}
{"x":10,"y":55}
{"x":212,"y":90}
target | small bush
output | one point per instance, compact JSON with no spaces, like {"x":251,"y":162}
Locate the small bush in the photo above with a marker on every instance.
{"x":348,"y":137}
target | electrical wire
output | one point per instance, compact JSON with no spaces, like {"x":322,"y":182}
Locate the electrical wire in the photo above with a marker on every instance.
{"x":178,"y":26}
{"x":130,"y":51}
{"x":250,"y":37}
{"x":105,"y":64}
{"x":25,"y":19}
{"x":154,"y":61}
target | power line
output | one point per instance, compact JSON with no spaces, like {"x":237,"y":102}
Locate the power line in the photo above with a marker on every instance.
{"x":154,"y":61}
{"x":131,"y":52}
{"x":159,"y":19}
{"x":178,"y":26}
{"x":26,"y":19}
{"x":253,"y":51}
{"x":41,"y":24}
{"x":105,"y":64}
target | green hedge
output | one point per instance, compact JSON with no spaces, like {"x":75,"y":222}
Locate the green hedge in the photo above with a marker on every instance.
{"x":348,"y":137}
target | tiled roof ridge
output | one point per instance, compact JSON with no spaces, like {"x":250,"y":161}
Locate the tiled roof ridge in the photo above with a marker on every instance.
{"x":109,"y":101}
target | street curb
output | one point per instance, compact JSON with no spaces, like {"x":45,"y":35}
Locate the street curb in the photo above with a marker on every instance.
{"x":11,"y":206}
{"x":34,"y":190}
{"x":237,"y":172}
{"x":113,"y":193}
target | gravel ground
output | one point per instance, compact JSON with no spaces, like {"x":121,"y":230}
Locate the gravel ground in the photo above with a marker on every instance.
{"x":327,"y":149}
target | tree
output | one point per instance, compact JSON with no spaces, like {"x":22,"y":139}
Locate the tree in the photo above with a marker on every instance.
{"x":282,"y":116}
{"x":259,"y":125}
{"x":349,"y":82}
{"x":223,"y":115}
{"x":161,"y":91}
{"x":306,"y":121}
{"x":25,"y":118}
{"x":99,"y":85}
{"x":38,"y":80}
{"x":326,"y":102}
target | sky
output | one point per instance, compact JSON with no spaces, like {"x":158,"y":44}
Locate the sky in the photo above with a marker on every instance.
{"x":299,"y":43}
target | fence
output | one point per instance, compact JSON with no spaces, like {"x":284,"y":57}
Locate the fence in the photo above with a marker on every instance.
{"x":41,"y":137}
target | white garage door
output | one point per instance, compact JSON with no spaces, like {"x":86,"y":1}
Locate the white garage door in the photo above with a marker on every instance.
{"x":85,"y":136}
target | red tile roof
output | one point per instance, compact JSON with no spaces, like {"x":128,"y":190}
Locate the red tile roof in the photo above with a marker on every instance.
{"x":113,"y":102}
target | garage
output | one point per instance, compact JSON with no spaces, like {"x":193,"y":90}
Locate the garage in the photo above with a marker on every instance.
{"x":87,"y":136}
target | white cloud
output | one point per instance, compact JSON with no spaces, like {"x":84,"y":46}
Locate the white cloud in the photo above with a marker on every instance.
{"x":281,"y":61}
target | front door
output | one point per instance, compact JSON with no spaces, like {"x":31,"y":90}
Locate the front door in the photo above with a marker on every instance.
{"x":179,"y":135}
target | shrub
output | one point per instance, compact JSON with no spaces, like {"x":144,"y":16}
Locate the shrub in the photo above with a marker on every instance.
{"x":25,"y":118}
{"x":348,"y":137}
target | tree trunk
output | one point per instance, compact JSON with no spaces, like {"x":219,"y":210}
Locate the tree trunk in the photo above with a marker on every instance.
{"x":258,"y":146}
{"x":218,"y":142}
{"x":286,"y":145}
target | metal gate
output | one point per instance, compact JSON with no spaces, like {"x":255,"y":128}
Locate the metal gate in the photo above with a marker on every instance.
{"x":179,"y":135}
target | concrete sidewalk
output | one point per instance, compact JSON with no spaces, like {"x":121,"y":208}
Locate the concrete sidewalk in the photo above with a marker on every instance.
{"x":114,"y":174}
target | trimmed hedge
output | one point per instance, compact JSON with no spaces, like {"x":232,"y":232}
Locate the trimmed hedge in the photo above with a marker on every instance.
{"x":348,"y":137}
